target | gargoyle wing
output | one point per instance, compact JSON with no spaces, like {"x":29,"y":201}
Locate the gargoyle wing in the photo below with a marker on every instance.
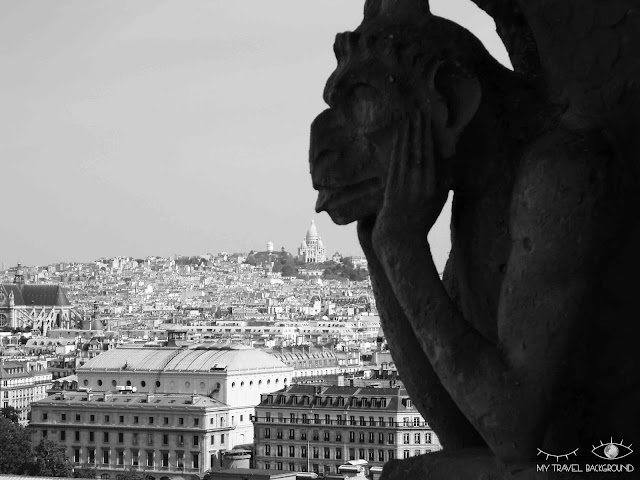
{"x":583,"y":52}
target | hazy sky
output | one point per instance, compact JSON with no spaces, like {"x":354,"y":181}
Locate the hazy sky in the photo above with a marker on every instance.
{"x":154,"y":127}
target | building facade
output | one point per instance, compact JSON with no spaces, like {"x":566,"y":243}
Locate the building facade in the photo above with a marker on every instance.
{"x":22,"y":383}
{"x":312,"y":250}
{"x":319,"y":428}
{"x":115,"y":432}
{"x":160,"y":410}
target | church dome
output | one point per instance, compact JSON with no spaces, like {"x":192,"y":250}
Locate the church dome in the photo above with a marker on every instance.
{"x":320,"y":244}
{"x":312,"y":233}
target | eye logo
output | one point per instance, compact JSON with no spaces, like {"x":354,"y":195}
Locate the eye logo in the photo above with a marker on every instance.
{"x":612,"y":450}
{"x":557,"y":457}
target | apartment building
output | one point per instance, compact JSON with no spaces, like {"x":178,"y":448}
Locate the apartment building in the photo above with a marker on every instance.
{"x":159,"y":434}
{"x":318,"y":428}
{"x":22,"y":383}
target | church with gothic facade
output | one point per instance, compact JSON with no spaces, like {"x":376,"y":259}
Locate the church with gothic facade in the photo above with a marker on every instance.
{"x":312,"y":249}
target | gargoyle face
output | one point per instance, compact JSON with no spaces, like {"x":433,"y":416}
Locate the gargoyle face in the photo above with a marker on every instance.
{"x":351,"y":141}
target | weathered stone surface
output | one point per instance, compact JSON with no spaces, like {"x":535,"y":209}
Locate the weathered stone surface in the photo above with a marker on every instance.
{"x":528,"y":341}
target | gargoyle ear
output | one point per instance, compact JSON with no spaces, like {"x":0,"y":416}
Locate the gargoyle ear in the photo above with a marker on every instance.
{"x":455,"y":98}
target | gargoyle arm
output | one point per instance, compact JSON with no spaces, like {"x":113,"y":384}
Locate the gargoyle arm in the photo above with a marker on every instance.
{"x":556,"y":214}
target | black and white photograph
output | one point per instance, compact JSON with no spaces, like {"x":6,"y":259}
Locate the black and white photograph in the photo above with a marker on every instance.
{"x":319,"y":239}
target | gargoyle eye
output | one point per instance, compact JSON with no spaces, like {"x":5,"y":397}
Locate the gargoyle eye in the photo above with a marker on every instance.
{"x":612,"y":450}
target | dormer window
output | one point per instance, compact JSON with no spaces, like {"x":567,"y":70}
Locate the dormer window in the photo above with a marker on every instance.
{"x":270,"y":399}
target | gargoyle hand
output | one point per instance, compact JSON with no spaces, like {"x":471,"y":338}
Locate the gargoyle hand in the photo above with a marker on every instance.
{"x":416,"y":191}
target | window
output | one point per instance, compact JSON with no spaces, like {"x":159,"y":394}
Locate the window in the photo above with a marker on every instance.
{"x":63,"y":417}
{"x":135,"y":455}
{"x":381,"y":438}
{"x":352,"y":437}
{"x":391,"y":455}
{"x":326,"y":435}
{"x":150,"y":420}
{"x":77,"y":417}
{"x":316,"y":418}
{"x":352,"y":454}
{"x":105,"y":436}
{"x":338,"y":436}
{"x":279,"y":450}
{"x":292,"y":434}
{"x":149,"y":438}
{"x":303,"y":452}
{"x":361,"y":453}
{"x":165,"y":439}
{"x":292,"y":418}
{"x":292,"y":467}
{"x":372,"y":421}
{"x":105,"y":455}
{"x":405,"y":454}
{"x":120,"y":437}
{"x":91,"y":436}
{"x":292,"y":451}
{"x":45,"y":416}
{"x":352,"y":420}
{"x":180,"y":460}
{"x":166,"y":420}
{"x":267,"y":433}
{"x":381,"y":455}
{"x":196,"y":440}
{"x":405,"y":439}
{"x":416,"y":438}
{"x":390,"y":440}
{"x":416,"y":421}
{"x":338,"y":453}
{"x":361,"y":437}
{"x":121,"y":419}
{"x":149,"y":459}
{"x":92,"y":455}
{"x":316,"y":452}
{"x":106,"y":419}
{"x":222,"y":439}
{"x":77,"y":436}
{"x":303,"y":435}
{"x":44,"y":434}
{"x":196,"y":421}
{"x":381,"y":421}
{"x":327,"y":452}
{"x":279,"y":434}
{"x":316,"y":435}
{"x":180,"y":421}
{"x":278,"y":465}
{"x":327,"y":419}
{"x":371,"y":455}
{"x":304,"y":418}
{"x":92,"y":418}
{"x":76,"y":455}
{"x":267,"y":450}
{"x":267,"y":466}
{"x":372,"y":437}
{"x":391,"y":422}
{"x":181,"y":439}
{"x":135,"y":419}
{"x":120,"y":457}
{"x":362,"y":422}
{"x":165,"y":459}
{"x":63,"y":435}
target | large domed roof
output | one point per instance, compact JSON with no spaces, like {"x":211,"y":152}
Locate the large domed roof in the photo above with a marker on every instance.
{"x":196,"y":358}
{"x":312,"y":233}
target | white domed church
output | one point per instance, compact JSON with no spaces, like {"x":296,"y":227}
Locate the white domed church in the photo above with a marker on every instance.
{"x":312,"y":249}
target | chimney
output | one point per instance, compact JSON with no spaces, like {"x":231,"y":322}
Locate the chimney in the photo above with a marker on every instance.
{"x":351,"y":382}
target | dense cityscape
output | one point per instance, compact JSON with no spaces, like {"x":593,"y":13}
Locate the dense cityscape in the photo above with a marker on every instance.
{"x":266,"y":364}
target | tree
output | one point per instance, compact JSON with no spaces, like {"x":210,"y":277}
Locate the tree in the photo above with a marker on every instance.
{"x":51,"y":460}
{"x":11,"y":413}
{"x":15,"y":448}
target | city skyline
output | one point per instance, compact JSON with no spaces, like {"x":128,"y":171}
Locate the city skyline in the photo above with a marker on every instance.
{"x":150,"y":128}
